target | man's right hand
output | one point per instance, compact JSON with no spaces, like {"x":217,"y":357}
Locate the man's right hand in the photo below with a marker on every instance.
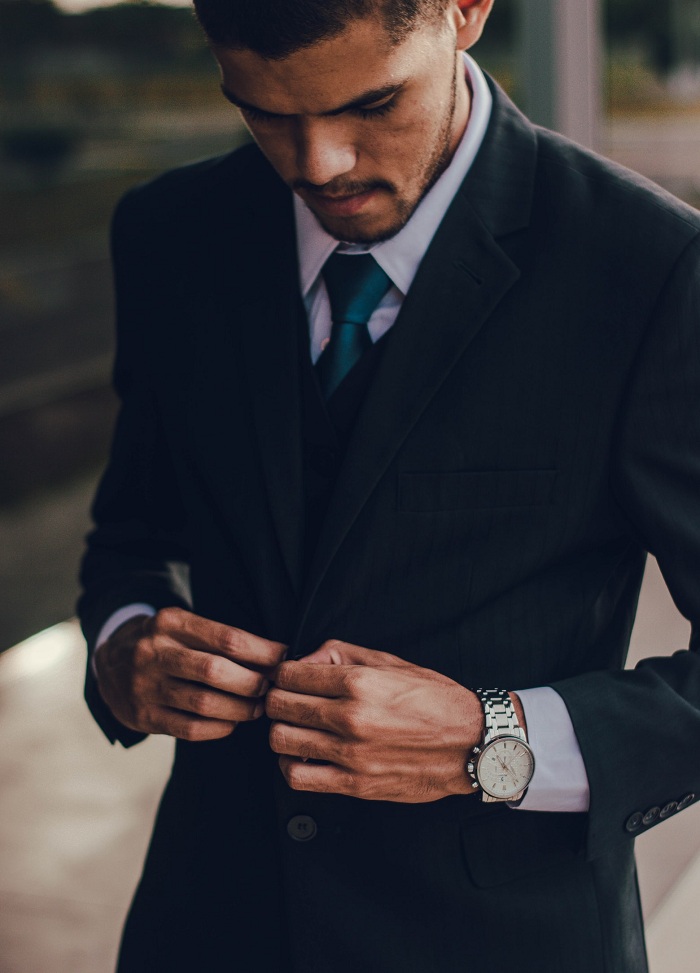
{"x":184,"y":676}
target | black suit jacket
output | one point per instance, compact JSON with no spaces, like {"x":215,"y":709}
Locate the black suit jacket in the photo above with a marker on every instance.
{"x":532,"y":431}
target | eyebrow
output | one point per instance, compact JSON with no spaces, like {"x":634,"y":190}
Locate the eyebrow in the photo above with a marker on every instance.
{"x":366,"y":98}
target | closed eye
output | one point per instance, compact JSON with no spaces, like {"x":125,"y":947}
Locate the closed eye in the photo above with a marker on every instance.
{"x":362,"y":111}
{"x":375,"y":111}
{"x":255,"y":115}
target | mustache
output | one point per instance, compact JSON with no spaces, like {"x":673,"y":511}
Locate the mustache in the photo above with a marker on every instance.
{"x":338,"y":189}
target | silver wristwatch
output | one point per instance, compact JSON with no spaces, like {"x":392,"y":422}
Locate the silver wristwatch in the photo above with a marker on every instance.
{"x":504,"y":763}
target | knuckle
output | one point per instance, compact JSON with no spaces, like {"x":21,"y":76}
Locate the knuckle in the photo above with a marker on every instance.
{"x":353,"y":722}
{"x":272,"y":653}
{"x":232,"y":641}
{"x":253,"y":684}
{"x":191,"y":732}
{"x":272,"y":703}
{"x":200,"y":701}
{"x":207,"y":667}
{"x":295,"y":776}
{"x":284,"y":670}
{"x":167,"y":618}
{"x":277,"y":737}
{"x":372,"y":768}
{"x":354,"y":679}
{"x":140,"y":652}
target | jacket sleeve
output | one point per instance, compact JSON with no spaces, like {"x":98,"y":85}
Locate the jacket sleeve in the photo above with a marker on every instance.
{"x":639,"y":730}
{"x":136,"y":552}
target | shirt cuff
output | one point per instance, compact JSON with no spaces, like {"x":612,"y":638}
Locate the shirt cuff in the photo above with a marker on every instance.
{"x":115,"y":621}
{"x":560,"y":782}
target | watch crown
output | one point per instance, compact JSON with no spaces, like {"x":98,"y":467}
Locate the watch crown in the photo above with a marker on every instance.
{"x":476,"y":750}
{"x":470,"y":767}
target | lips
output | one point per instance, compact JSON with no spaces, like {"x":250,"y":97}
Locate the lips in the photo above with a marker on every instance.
{"x":348,"y":205}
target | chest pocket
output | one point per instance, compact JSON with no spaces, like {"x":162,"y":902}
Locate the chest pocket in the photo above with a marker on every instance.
{"x":475,"y":489}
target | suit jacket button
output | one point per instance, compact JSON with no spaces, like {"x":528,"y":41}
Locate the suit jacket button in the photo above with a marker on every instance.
{"x":634,"y":822}
{"x":302,"y":828}
{"x":686,"y":802}
{"x":668,"y":809}
{"x":651,"y":816}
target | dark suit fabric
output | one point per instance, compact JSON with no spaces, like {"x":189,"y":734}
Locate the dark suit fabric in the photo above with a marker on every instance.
{"x":532,"y":429}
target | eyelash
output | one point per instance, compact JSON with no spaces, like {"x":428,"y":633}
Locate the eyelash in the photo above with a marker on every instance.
{"x":377,"y":112}
{"x":365,"y":113}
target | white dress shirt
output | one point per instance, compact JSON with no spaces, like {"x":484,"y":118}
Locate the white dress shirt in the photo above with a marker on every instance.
{"x":560,"y":782}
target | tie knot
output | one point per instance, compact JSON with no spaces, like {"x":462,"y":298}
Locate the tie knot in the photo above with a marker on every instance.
{"x":356,"y":284}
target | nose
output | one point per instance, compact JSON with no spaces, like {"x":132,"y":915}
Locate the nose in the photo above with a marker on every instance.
{"x":324,"y":151}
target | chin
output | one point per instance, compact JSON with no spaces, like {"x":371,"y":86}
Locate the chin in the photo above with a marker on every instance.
{"x":366,"y":231}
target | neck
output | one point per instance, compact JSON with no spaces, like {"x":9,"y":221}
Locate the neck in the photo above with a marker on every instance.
{"x":463,"y":104}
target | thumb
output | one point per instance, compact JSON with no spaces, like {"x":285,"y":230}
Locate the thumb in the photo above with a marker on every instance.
{"x":337,"y":653}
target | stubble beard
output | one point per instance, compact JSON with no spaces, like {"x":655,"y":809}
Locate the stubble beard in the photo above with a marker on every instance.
{"x":439,"y":160}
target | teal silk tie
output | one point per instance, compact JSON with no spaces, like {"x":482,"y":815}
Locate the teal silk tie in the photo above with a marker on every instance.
{"x":356,"y":284}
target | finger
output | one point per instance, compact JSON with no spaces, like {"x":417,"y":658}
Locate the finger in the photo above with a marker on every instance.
{"x":323,"y":779}
{"x":333,"y":682}
{"x":196,"y":699}
{"x":185,"y":726}
{"x":301,"y":710}
{"x":212,"y":670}
{"x":337,"y":653}
{"x":209,"y":636}
{"x":306,"y":744}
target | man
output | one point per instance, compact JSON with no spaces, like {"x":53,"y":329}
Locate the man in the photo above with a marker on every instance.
{"x":409,"y":390}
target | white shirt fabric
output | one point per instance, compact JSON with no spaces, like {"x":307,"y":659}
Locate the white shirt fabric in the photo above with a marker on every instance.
{"x":560,"y":782}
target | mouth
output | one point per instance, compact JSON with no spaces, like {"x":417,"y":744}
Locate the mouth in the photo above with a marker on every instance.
{"x":347,"y":205}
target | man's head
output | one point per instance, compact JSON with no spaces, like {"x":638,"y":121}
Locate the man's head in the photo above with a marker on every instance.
{"x":358,"y":104}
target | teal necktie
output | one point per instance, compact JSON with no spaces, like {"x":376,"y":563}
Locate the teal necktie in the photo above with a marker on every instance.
{"x":355,"y":284}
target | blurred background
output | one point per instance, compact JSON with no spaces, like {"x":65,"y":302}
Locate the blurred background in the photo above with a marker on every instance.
{"x":93,"y":99}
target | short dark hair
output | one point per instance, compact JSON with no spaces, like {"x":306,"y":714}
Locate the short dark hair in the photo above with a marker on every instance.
{"x":274,"y":29}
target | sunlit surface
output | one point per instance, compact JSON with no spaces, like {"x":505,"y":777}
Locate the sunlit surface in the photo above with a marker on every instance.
{"x":40,"y":653}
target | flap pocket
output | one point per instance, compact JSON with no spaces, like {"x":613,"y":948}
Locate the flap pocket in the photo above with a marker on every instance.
{"x":488,"y":489}
{"x":507,"y":846}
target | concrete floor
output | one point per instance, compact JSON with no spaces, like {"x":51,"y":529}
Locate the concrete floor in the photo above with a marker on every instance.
{"x":75,"y":815}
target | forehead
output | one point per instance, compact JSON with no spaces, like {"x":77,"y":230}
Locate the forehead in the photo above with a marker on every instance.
{"x":316,"y":79}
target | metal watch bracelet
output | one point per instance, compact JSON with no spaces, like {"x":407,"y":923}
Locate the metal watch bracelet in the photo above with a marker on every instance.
{"x":501,"y":721}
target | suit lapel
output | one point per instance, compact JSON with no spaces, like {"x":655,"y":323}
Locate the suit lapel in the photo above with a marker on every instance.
{"x":253,"y":296}
{"x":270,"y":342}
{"x":462,"y":279}
{"x":270,"y":339}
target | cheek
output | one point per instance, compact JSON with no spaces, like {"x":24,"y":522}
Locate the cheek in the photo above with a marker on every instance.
{"x":402,"y":153}
{"x":277,"y":148}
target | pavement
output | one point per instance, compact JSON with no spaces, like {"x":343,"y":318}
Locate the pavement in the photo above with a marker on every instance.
{"x":75,"y":815}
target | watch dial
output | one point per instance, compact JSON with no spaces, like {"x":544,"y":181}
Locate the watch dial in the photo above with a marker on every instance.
{"x":505,"y":768}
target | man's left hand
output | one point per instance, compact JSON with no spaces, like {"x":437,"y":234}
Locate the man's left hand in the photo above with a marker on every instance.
{"x":384,"y":729}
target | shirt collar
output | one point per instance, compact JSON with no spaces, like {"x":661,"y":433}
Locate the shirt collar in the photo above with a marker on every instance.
{"x":400,"y":256}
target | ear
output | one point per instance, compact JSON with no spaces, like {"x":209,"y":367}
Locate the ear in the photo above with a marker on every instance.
{"x":469,"y":18}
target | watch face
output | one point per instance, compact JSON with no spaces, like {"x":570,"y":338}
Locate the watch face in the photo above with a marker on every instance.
{"x":505,"y":768}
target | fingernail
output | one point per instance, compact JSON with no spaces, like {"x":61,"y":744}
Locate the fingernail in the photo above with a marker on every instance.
{"x":259,"y":710}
